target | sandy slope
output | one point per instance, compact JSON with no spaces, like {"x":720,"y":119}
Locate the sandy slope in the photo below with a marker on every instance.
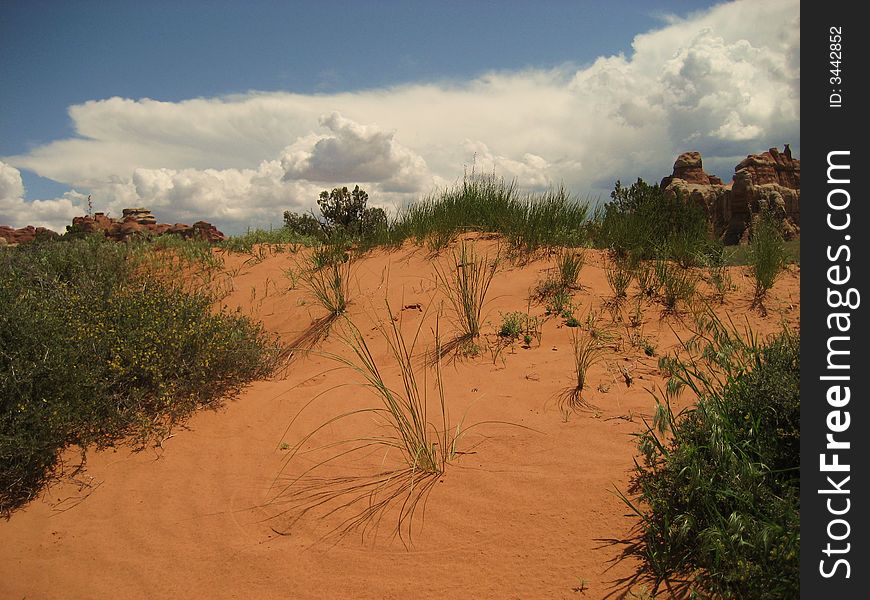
{"x":521,"y":515}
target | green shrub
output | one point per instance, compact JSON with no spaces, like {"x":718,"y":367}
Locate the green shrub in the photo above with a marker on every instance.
{"x":96,"y":346}
{"x":719,"y":497}
{"x":643,"y":221}
{"x":516,"y":324}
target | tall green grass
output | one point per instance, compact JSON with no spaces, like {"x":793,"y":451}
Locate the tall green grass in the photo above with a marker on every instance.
{"x":767,"y":256}
{"x":281,"y":236}
{"x":486,"y":203}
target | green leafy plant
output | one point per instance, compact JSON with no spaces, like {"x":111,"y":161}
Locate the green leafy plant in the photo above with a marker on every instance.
{"x":516,"y":324}
{"x":717,"y":491}
{"x":104,"y":343}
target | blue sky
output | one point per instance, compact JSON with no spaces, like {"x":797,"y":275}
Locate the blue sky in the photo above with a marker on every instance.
{"x":323,"y":67}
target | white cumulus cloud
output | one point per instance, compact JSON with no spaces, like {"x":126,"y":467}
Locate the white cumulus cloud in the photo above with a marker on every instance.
{"x":725,"y":82}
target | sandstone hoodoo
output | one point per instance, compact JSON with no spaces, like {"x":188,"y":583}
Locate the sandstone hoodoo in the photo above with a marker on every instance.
{"x":768,"y":181}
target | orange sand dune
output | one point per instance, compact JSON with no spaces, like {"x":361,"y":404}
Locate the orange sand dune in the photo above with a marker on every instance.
{"x":521,"y":514}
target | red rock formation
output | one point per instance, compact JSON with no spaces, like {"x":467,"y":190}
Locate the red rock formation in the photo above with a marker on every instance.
{"x":134,"y":222}
{"x":10,"y":236}
{"x":690,"y":169}
{"x":140,"y":222}
{"x":767,"y":181}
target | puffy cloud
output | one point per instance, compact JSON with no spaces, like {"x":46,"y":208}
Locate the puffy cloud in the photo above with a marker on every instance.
{"x":354,"y":153}
{"x":16,"y":212}
{"x":724,"y":82}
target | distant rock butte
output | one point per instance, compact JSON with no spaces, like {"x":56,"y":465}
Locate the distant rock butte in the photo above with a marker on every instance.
{"x":133,"y":222}
{"x":770,"y":180}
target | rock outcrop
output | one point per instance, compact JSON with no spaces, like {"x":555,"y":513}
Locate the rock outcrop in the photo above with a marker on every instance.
{"x":133,"y":222}
{"x":769,"y":181}
{"x":10,"y":236}
{"x":140,"y":222}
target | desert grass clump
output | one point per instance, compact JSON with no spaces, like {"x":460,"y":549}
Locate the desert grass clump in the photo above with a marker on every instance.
{"x":767,"y":257}
{"x":570,"y":263}
{"x":329,"y":286}
{"x":417,"y":434}
{"x":588,"y":349}
{"x":465,"y":283}
{"x":647,"y":284}
{"x":618,"y":278}
{"x":677,"y":285}
{"x":486,"y":203}
{"x":718,"y":494}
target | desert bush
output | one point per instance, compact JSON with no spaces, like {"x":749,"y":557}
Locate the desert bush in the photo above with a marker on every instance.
{"x":96,"y":347}
{"x":466,"y":283}
{"x":343,"y":215}
{"x":767,"y":257}
{"x":643,"y":221}
{"x":718,"y":497}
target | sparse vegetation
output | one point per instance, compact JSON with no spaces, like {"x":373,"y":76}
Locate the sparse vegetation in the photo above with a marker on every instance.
{"x":426,"y":446}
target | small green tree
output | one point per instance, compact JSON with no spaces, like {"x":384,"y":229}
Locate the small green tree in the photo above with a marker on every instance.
{"x":343,"y":214}
{"x":342,"y":208}
{"x":303,"y":224}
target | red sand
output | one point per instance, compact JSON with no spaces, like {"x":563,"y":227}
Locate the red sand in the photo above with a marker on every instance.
{"x":522,"y":515}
